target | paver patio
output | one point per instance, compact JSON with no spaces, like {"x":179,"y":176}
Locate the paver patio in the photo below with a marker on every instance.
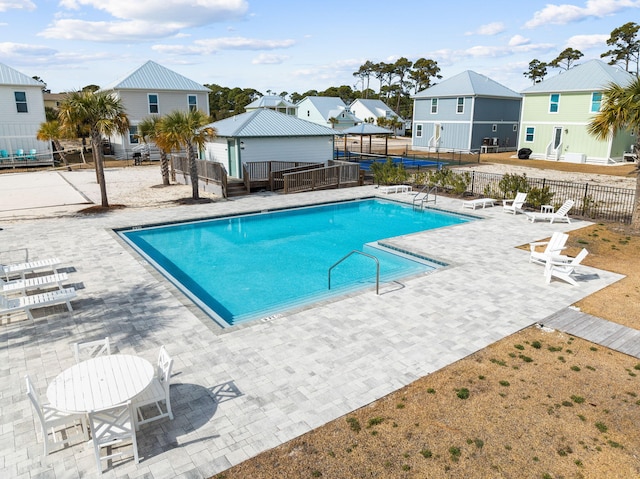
{"x":239,"y":391}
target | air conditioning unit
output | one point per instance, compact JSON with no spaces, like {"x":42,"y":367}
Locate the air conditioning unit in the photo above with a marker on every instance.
{"x":575,"y":157}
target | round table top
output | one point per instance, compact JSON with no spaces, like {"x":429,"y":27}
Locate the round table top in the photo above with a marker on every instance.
{"x":99,"y":383}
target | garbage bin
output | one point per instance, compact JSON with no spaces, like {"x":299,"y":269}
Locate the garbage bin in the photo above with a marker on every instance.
{"x":137,"y":158}
{"x":524,"y":153}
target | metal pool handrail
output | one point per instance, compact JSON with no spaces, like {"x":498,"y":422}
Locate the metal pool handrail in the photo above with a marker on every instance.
{"x":363,"y":254}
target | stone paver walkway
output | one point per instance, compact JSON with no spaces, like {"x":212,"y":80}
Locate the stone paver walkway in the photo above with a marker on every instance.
{"x":240,"y":391}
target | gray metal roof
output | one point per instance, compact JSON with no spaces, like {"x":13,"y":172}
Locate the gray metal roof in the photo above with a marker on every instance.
{"x":268,"y":123}
{"x":152,"y":76}
{"x":594,"y":75}
{"x":378,"y":107}
{"x":468,"y":83}
{"x":270,"y":101}
{"x":366,"y":129}
{"x":9,"y":76}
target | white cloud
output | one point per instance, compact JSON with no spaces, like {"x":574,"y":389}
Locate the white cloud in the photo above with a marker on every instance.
{"x":585,"y":42}
{"x":16,"y":5}
{"x":268,"y":59}
{"x":212,"y":45}
{"x":518,"y":40}
{"x":489,"y":29}
{"x":10,"y":49}
{"x":563,"y":14}
{"x":140,"y":19}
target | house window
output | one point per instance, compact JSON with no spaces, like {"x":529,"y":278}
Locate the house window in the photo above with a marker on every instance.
{"x":515,"y":127}
{"x":460,"y":107}
{"x":418,"y":131}
{"x":529,"y":133}
{"x":554,"y":102}
{"x":133,"y":135}
{"x":494,"y":127}
{"x":434,"y":105}
{"x":153,"y":103}
{"x":21,"y":101}
{"x":193,"y":102}
{"x":596,"y":102}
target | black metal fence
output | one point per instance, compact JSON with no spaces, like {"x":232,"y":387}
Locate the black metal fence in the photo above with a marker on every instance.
{"x":414,"y":162}
{"x":591,"y":201}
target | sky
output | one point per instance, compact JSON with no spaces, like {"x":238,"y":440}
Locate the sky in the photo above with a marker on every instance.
{"x":296,"y":45}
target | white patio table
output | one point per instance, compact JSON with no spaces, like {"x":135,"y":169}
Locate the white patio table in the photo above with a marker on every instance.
{"x":99,"y":383}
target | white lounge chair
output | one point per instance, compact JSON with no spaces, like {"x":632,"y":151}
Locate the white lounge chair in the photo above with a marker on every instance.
{"x":484,"y":202}
{"x":156,"y":392}
{"x":563,"y":270}
{"x":10,"y":271}
{"x":27,"y":303}
{"x":38,"y":282}
{"x":552,"y":250}
{"x":515,"y":205}
{"x":560,"y":215}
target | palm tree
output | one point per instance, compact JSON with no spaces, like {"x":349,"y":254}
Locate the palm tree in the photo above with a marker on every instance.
{"x":149,"y":130}
{"x":104,"y":115}
{"x":621,"y":111}
{"x":180,"y":129}
{"x":51,"y":131}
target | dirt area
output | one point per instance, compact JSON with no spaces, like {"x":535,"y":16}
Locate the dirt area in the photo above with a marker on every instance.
{"x":537,"y":404}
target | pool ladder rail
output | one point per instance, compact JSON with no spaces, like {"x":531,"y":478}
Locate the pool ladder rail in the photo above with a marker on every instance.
{"x":419,"y":201}
{"x":355,"y":251}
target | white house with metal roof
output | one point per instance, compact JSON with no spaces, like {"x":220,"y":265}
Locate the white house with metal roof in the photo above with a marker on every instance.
{"x":21,"y":114}
{"x":273,"y":102}
{"x":466,"y":112}
{"x":327,"y":111}
{"x":369,"y":110}
{"x":267,"y":135}
{"x":557,"y":111}
{"x":153,"y":89}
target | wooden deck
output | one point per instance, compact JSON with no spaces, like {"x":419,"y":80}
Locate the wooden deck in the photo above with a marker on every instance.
{"x":597,"y":330}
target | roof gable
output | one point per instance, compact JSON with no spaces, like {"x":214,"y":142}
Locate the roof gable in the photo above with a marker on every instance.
{"x":377,"y":107}
{"x":9,"y":76}
{"x":152,"y":76}
{"x":270,"y":101}
{"x":264,"y":122}
{"x":594,"y":75}
{"x":327,"y":106}
{"x":468,"y":83}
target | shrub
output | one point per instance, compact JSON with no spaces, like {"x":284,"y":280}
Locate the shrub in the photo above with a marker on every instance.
{"x":510,"y":184}
{"x":388,"y":173}
{"x":537,"y":197}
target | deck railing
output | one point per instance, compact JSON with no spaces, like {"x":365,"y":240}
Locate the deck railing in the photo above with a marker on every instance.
{"x":27,"y":160}
{"x":208,"y":171}
{"x":340,"y":175}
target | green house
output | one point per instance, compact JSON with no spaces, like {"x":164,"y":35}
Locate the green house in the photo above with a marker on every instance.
{"x":556,"y":112}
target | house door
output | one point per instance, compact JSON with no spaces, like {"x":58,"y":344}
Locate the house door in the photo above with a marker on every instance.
{"x":233,"y":158}
{"x":557,"y":138}
{"x":436,"y":134}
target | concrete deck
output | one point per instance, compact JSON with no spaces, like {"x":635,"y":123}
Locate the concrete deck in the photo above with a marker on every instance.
{"x":243,"y":390}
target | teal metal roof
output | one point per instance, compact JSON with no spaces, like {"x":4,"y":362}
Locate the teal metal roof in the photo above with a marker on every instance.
{"x":268,"y":123}
{"x":468,"y":83}
{"x":152,"y":76}
{"x":9,"y":76}
{"x":594,"y":75}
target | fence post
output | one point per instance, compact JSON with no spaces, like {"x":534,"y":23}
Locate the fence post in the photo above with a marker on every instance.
{"x":584,"y":199}
{"x":473,"y":177}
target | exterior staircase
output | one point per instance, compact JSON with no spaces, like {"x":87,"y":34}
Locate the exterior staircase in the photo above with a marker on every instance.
{"x":235,"y":187}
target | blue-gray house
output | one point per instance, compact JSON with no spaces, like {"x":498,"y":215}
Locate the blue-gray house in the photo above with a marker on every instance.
{"x":466,"y":112}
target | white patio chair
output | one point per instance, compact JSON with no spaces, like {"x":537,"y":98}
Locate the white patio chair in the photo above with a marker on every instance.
{"x":560,"y":215}
{"x":156,"y":392}
{"x":53,"y":421}
{"x":515,"y":205}
{"x":91,"y":349}
{"x":14,"y":270}
{"x":563,"y":270}
{"x":553,"y":248}
{"x":27,"y":303}
{"x":112,"y":427}
{"x":38,"y":282}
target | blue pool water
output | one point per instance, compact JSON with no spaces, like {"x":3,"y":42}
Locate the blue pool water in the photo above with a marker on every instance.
{"x":246,"y":267}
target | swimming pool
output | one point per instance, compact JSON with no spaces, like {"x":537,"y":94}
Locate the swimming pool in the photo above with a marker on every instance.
{"x":252,"y":266}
